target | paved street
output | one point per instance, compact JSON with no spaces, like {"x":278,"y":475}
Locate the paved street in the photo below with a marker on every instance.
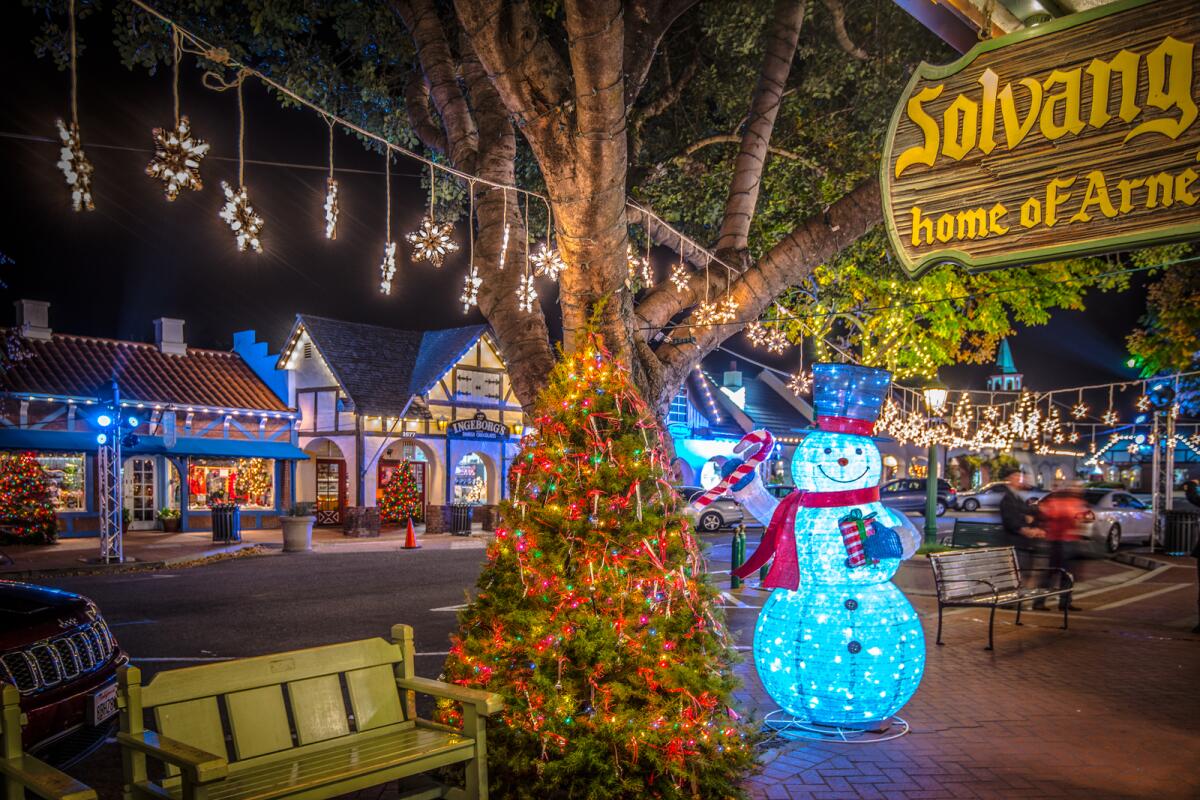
{"x":1106,"y":709}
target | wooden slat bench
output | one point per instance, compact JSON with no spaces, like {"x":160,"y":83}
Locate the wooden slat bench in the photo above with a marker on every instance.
{"x":978,"y":533}
{"x":987,"y":577}
{"x":307,"y":724}
{"x":20,"y":771}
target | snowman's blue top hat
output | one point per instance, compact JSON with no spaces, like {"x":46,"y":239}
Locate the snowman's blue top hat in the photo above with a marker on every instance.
{"x":848,"y":397}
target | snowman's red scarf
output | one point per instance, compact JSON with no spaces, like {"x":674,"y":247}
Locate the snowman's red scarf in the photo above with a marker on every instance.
{"x":779,"y":546}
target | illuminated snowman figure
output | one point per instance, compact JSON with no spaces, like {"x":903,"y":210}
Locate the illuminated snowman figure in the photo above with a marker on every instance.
{"x":837,"y":644}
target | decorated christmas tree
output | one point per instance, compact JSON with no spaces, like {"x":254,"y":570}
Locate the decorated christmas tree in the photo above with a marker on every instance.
{"x":26,"y":515}
{"x":401,"y":499}
{"x":594,"y":618}
{"x":252,"y":481}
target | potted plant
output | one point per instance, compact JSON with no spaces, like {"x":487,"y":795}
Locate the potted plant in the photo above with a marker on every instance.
{"x":297,"y":528}
{"x":169,"y":517}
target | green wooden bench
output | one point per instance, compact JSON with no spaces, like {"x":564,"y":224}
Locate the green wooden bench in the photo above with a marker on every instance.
{"x":20,"y":771}
{"x":304,"y":724}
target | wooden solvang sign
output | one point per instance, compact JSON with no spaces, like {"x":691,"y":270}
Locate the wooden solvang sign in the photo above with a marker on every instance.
{"x":1073,"y":137}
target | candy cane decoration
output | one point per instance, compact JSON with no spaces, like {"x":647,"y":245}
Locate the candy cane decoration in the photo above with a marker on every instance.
{"x":765,"y":442}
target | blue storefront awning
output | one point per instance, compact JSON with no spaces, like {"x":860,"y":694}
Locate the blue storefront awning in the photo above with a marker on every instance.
{"x":85,"y":441}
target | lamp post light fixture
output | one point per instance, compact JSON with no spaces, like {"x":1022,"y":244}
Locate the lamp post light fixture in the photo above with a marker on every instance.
{"x":935,"y":404}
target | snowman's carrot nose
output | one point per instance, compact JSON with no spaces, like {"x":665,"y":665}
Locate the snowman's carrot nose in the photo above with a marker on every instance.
{"x":843,"y":462}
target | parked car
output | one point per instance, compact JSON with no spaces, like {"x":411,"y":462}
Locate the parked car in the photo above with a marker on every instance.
{"x":1113,"y":516}
{"x":989,"y":496}
{"x":724,"y":512}
{"x":58,"y":651}
{"x":908,"y":494}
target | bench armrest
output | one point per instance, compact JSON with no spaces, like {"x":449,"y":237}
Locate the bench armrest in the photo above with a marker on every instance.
{"x":44,"y":780}
{"x":486,"y":703}
{"x":200,"y":767}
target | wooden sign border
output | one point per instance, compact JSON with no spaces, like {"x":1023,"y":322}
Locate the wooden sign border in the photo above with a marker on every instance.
{"x":927,"y":71}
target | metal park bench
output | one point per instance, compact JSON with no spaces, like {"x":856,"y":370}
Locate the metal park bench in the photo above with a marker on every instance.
{"x":20,"y":772}
{"x":975,"y":533}
{"x":986,"y":577}
{"x":278,"y":726}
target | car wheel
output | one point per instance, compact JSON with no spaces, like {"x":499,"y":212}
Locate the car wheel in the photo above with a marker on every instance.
{"x":1113,"y":540}
{"x":940,"y":508}
{"x":971,"y":505}
{"x":710,"y":522}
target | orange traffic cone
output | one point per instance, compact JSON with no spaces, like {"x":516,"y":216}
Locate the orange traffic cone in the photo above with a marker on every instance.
{"x":410,"y":539}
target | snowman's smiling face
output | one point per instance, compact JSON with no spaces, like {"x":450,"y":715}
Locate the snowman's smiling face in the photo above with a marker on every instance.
{"x":834,"y":462}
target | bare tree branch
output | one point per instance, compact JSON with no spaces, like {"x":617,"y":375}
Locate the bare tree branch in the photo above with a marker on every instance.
{"x":839,"y":29}
{"x":783,"y":36}
{"x":729,"y":138}
{"x":640,"y":116}
{"x":416,"y":104}
{"x":646,"y":22}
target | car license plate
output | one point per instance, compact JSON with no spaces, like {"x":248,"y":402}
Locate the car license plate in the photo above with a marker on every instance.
{"x":103,"y":705}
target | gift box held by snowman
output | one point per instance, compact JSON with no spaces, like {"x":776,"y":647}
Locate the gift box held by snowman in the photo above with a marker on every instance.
{"x":837,"y":644}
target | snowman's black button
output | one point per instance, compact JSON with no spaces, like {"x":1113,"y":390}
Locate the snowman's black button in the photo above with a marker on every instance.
{"x":851,"y":604}
{"x":854,"y":647}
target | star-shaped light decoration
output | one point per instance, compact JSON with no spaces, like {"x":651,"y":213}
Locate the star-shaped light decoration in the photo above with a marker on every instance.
{"x":638,"y":268}
{"x":1109,"y":417}
{"x":776,"y":341}
{"x":526,"y":294}
{"x":177,"y":157}
{"x":432,"y":242}
{"x":800,"y":383}
{"x":75,"y":167}
{"x":727,"y":310}
{"x":243,"y":220}
{"x":756,"y":333}
{"x":387,"y":268}
{"x":331,"y":208}
{"x":1079,"y":410}
{"x":470,"y":292}
{"x":1143,"y":402}
{"x":1074,"y":437}
{"x":705,"y":313}
{"x":679,"y":277}
{"x":546,"y":261}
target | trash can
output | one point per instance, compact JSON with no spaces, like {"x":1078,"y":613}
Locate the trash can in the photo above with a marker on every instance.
{"x":460,"y":520}
{"x":1181,"y":531}
{"x":227,"y":523}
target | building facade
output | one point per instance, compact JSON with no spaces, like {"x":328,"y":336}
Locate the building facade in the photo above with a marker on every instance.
{"x":208,"y":429}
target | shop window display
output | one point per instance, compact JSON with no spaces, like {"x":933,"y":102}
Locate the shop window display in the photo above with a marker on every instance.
{"x":470,"y":481}
{"x":65,"y":477}
{"x":249,"y":482}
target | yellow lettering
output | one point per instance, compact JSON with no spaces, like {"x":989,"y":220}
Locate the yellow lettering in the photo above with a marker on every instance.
{"x":1162,"y":181}
{"x":1031,"y":212}
{"x":1095,"y":194}
{"x":972,"y":224}
{"x":945,"y":228}
{"x":1068,"y":98}
{"x":1014,"y":130}
{"x":1183,"y":183}
{"x":1169,"y":88}
{"x":919,"y":227}
{"x":987,"y":119}
{"x":1126,"y":187}
{"x":994,"y":216}
{"x":1126,"y":64}
{"x":960,"y":121}
{"x":927,"y":151}
{"x":1054,"y":199}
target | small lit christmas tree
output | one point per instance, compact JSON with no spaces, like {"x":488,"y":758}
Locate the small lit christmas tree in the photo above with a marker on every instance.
{"x":252,"y":481}
{"x":594,"y":618}
{"x":26,"y":515}
{"x":401,"y":499}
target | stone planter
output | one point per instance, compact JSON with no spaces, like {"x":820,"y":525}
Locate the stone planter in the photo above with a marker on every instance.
{"x":297,"y":533}
{"x":170,"y":525}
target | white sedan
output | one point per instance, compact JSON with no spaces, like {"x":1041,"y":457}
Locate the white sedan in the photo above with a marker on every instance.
{"x":1114,"y":516}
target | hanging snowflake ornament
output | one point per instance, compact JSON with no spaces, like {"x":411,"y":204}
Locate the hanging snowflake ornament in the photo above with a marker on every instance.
{"x":756,"y":333}
{"x":776,"y":341}
{"x":470,"y":292}
{"x":1143,"y":402}
{"x":432,"y":242}
{"x":1074,"y":437}
{"x":526,"y":294}
{"x":800,"y":383}
{"x":387,"y":268}
{"x":75,"y":167}
{"x":546,"y":261}
{"x":1109,"y":417}
{"x":331,"y":208}
{"x":705,"y":313}
{"x":679,"y":277}
{"x":1079,"y":410}
{"x":243,"y":220}
{"x":727,"y":310}
{"x":177,"y":157}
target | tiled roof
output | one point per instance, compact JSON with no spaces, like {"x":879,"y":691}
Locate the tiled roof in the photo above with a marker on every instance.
{"x":381,"y":368}
{"x":83,"y":366}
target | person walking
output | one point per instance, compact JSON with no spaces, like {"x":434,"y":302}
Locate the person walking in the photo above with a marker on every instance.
{"x":1059,"y":513}
{"x":1017,"y":519}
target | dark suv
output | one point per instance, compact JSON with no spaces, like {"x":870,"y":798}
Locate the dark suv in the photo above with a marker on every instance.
{"x":57,"y":650}
{"x":908,"y":494}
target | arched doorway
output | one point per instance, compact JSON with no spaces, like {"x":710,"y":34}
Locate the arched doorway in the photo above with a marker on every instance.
{"x":420,"y":459}
{"x":323,"y":479}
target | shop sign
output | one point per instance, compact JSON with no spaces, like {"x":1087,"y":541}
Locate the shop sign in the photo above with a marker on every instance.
{"x":478,"y":427}
{"x":1074,"y":137}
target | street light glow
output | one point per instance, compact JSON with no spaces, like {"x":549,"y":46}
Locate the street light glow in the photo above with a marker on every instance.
{"x":104,"y":420}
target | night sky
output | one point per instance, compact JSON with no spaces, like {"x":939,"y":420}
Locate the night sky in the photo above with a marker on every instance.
{"x":137,"y":257}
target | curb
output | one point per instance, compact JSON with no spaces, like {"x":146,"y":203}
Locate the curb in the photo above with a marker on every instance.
{"x":1141,"y":562}
{"x":129,"y":566}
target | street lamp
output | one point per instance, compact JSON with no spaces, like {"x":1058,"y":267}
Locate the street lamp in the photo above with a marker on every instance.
{"x":935,"y":403}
